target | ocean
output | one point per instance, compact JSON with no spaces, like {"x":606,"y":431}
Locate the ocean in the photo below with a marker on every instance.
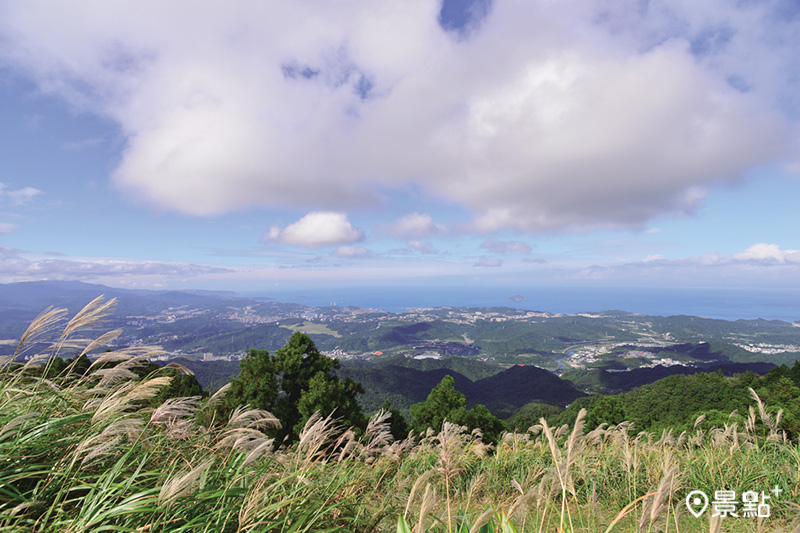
{"x":726,"y":304}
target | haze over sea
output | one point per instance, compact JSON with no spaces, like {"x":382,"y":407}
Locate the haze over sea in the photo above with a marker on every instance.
{"x":726,"y":304}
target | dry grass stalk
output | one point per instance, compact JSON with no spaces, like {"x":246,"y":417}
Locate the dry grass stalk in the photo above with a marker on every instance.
{"x":656,"y":506}
{"x":90,"y":316}
{"x":242,"y":417}
{"x":13,"y":425}
{"x":244,"y":431}
{"x":175,"y":408}
{"x":124,"y":397}
{"x":698,"y":421}
{"x":562,"y":464}
{"x":112,"y":437}
{"x":264,"y":447}
{"x":41,"y":327}
{"x":180,"y":368}
{"x":245,"y":439}
{"x":254,"y":502}
{"x":346,"y":443}
{"x":110,"y":376}
{"x":715,"y":523}
{"x":218,"y":397}
{"x":428,"y":503}
{"x":183,"y":483}
{"x":415,"y":489}
{"x":482,"y":520}
{"x":451,"y":441}
{"x":102,"y":341}
{"x":317,"y":433}
{"x":378,"y":432}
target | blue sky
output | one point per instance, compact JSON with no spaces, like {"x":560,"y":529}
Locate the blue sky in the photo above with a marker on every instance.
{"x":249,"y":145}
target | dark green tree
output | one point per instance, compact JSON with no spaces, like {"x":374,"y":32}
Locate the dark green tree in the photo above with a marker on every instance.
{"x":257,"y":382}
{"x":329,"y":394}
{"x":529,"y":415}
{"x":398,"y":424}
{"x":479,"y":417}
{"x":446,"y":403}
{"x":605,"y":410}
{"x":294,"y":383}
{"x":442,"y":402}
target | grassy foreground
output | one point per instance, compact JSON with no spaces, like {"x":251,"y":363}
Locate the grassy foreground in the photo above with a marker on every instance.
{"x":86,"y":452}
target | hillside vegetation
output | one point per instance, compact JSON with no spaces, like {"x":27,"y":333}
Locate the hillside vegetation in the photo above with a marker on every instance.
{"x":90,"y":447}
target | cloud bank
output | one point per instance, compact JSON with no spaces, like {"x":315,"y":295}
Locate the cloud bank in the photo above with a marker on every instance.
{"x":547,"y":116}
{"x":15,"y":265}
{"x":506,"y":247}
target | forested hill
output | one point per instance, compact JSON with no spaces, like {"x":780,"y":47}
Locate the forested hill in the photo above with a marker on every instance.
{"x":502,"y":393}
{"x":599,"y":380}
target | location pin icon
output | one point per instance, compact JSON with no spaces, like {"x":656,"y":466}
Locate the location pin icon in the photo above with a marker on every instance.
{"x":697,"y":502}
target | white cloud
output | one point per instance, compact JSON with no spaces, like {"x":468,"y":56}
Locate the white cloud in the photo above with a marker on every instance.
{"x":759,"y":265}
{"x":763,"y":252}
{"x":417,"y":225}
{"x":18,"y":266}
{"x":487,"y":262}
{"x":7,"y":227}
{"x":19,"y":196}
{"x":317,"y":229}
{"x":352,"y":251}
{"x":422,"y":247}
{"x":505,"y":247}
{"x":567,"y":115}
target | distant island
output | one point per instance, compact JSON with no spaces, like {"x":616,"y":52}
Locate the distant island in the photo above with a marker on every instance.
{"x":517,"y":298}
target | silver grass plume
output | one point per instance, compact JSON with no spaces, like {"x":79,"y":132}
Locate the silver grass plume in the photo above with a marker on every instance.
{"x":482,"y":520}
{"x":123,"y":398}
{"x":102,"y":341}
{"x":428,"y":503}
{"x":13,"y":425}
{"x":183,"y":483}
{"x":175,"y":408}
{"x":378,"y":432}
{"x":316,"y":433}
{"x":90,"y":316}
{"x":415,"y":489}
{"x":219,"y":396}
{"x":242,"y":417}
{"x":111,"y":376}
{"x":41,"y":327}
{"x":111,"y":437}
{"x":244,"y":431}
{"x":180,"y":368}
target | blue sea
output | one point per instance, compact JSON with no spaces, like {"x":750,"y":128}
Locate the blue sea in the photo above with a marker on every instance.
{"x":726,"y":304}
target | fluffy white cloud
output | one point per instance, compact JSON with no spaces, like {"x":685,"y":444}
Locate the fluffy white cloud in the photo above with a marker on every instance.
{"x":7,"y":227}
{"x":763,"y":252}
{"x":505,"y":247}
{"x":317,"y":229}
{"x":571,"y":115}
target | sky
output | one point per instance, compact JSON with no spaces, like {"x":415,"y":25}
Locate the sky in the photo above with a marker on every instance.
{"x":255,"y":145}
